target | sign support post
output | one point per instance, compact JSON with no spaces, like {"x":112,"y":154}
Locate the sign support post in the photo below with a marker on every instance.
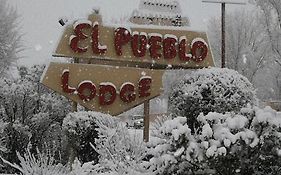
{"x":223,"y":3}
{"x":146,"y":121}
{"x":75,"y":104}
{"x":72,"y":152}
{"x":223,"y":35}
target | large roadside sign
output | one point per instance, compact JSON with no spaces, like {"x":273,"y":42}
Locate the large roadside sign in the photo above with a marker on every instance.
{"x":121,"y":67}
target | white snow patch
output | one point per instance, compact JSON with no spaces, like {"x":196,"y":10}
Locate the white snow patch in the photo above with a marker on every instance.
{"x":207,"y":131}
{"x":244,"y":58}
{"x":144,"y":34}
{"x":85,"y":81}
{"x":198,"y":39}
{"x":95,"y":23}
{"x":81,"y":21}
{"x":127,"y":83}
{"x":38,"y":47}
{"x":155,"y":34}
{"x":102,"y":47}
{"x":108,"y":84}
{"x":64,"y":71}
{"x":145,"y":77}
{"x":179,"y":152}
{"x":182,"y":38}
{"x":170,"y":36}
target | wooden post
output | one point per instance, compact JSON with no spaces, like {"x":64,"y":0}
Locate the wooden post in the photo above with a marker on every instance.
{"x":74,"y":104}
{"x":223,"y":3}
{"x":72,"y":151}
{"x":223,"y":35}
{"x":146,"y":122}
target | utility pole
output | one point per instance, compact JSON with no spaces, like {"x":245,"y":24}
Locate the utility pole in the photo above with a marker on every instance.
{"x":223,"y":2}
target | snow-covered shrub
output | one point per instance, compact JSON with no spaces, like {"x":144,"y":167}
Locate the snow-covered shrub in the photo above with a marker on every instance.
{"x":40,"y":164}
{"x":16,"y":138}
{"x":159,"y":121}
{"x":48,"y":136}
{"x":45,"y":164}
{"x":174,"y":149}
{"x":33,"y":114}
{"x":210,"y":90}
{"x":16,"y":99}
{"x":248,"y":142}
{"x":121,"y":150}
{"x":28,"y":105}
{"x":80,"y":128}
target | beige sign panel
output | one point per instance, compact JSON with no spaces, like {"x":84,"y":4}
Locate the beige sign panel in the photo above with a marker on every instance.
{"x":107,"y":89}
{"x":99,"y":44}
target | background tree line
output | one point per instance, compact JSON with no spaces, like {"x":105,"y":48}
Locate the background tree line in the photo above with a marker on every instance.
{"x":253,"y":45}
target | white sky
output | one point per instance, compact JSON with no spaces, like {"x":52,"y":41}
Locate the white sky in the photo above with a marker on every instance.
{"x":39,"y":20}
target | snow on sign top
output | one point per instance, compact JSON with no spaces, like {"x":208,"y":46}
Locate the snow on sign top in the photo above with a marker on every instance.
{"x":156,"y":12}
{"x":144,"y":47}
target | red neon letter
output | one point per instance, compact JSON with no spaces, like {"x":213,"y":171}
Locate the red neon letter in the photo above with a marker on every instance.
{"x":122,"y":37}
{"x":127,"y":93}
{"x":199,"y":51}
{"x":155,"y":47}
{"x":107,"y":94}
{"x":182,"y":51}
{"x":97,"y":48}
{"x":144,"y":86}
{"x":64,"y":81}
{"x":139,"y":43}
{"x":91,"y":91}
{"x":169,"y":48}
{"x":79,"y":35}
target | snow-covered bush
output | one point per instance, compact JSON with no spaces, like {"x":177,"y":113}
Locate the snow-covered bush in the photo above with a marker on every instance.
{"x":33,"y":115}
{"x":159,"y":121}
{"x":45,"y":164}
{"x":80,"y":128}
{"x":40,"y":164}
{"x":210,"y":90}
{"x":120,"y":150}
{"x":248,"y":142}
{"x":174,"y":148}
{"x":48,"y":136}
{"x":16,"y":138}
